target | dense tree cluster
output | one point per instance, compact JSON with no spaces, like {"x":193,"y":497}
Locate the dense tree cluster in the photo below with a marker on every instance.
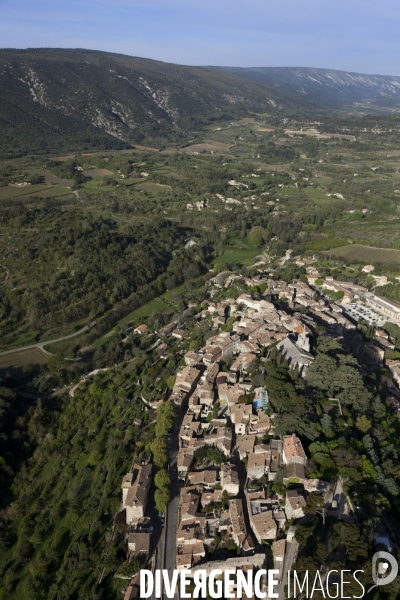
{"x":65,"y":496}
{"x":71,"y":268}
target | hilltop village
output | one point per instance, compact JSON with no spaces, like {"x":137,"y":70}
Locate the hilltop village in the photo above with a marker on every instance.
{"x":227,"y":460}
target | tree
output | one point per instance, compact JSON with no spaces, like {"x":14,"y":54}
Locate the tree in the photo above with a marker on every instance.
{"x":171,"y":381}
{"x":327,"y":425}
{"x":215,"y":455}
{"x":315,"y":501}
{"x":162,"y":479}
{"x":160,"y":452}
{"x":229,"y":323}
{"x":56,"y":363}
{"x":257,"y":236}
{"x":161,"y":498}
{"x":347,"y":384}
{"x":368,"y":470}
{"x":319,"y":452}
{"x":363,"y":424}
{"x":165,"y":418}
{"x":350,"y":536}
{"x":326,"y":344}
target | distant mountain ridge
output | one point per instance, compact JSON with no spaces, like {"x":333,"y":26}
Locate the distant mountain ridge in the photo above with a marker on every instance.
{"x":327,"y":87}
{"x":59,"y":100}
{"x":85,"y":98}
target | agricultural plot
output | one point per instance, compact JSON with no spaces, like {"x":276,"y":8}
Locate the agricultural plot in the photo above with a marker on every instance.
{"x":69,"y":156}
{"x":11,"y":191}
{"x":243,"y":256}
{"x":283,"y":192}
{"x":319,"y":195}
{"x":97,"y":172}
{"x":367,"y":254}
{"x":154,"y":188}
{"x":176,"y":176}
{"x":320,"y":136}
{"x":53,"y":193}
{"x":229,"y":134}
{"x":141,"y":313}
{"x":371,"y":233}
{"x":207,"y":146}
{"x":22,"y":364}
{"x":322,"y":180}
{"x":154,"y":306}
{"x":50,"y":178}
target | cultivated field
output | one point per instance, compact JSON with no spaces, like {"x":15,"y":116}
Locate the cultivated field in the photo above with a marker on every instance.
{"x":243,"y":256}
{"x":145,"y":148}
{"x":97,"y":172}
{"x":153,"y":187}
{"x":52,"y":193}
{"x":11,"y":191}
{"x":321,"y":136}
{"x":207,"y":146}
{"x":64,"y":158}
{"x":367,"y":254}
{"x":23,"y":363}
{"x":50,"y":178}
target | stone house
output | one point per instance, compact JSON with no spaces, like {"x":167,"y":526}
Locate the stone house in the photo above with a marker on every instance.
{"x":294,"y":504}
{"x":230,"y":479}
{"x":258,"y":464}
{"x":139,"y":544}
{"x":293,"y":451}
{"x":261,"y":517}
{"x":135,"y":492}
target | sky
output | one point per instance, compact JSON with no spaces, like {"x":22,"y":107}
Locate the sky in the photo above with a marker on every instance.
{"x":351,"y":35}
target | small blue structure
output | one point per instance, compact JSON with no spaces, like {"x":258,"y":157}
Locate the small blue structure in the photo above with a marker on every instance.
{"x":257,"y":404}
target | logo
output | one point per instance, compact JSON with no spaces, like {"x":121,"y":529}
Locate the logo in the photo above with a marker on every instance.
{"x":381,"y":561}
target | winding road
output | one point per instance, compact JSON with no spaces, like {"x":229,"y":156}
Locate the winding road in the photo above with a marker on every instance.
{"x":41,"y":344}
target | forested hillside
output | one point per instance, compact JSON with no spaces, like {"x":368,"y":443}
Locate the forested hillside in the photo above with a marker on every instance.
{"x":78,"y":268}
{"x":67,"y":493}
{"x":81,"y":99}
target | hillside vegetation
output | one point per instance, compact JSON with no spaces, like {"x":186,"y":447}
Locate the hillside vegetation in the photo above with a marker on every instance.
{"x":84,"y":99}
{"x":328,"y":87}
{"x":96,"y":233}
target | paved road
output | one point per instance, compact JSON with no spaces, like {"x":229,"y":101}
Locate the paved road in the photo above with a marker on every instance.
{"x":166,"y":545}
{"x":344,"y":504}
{"x":171,"y":524}
{"x":290,"y":557}
{"x":159,"y":554}
{"x":172,"y":518}
{"x":41,"y":344}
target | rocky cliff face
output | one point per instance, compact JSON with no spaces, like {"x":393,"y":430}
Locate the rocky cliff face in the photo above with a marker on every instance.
{"x":327,"y":86}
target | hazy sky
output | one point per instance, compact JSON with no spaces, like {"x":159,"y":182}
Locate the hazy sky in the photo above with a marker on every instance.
{"x":353,"y":35}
